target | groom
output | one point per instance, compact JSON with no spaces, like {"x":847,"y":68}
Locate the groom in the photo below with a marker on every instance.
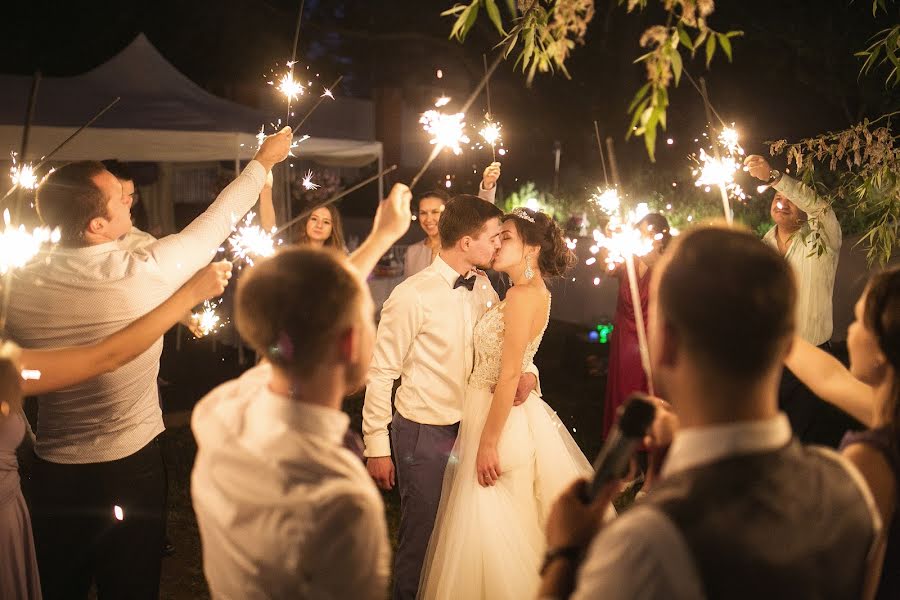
{"x":426,"y":338}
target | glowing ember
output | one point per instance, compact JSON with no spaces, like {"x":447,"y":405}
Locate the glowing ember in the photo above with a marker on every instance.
{"x":442,"y":101}
{"x":730,"y":141}
{"x":490,"y":132}
{"x":18,"y":246}
{"x":207,"y":321}
{"x":22,"y":175}
{"x":30,"y":374}
{"x":118,"y":513}
{"x":290,"y":87}
{"x":720,"y":172}
{"x":447,"y":130}
{"x":308,"y":182}
{"x":607,"y":200}
{"x":251,"y":241}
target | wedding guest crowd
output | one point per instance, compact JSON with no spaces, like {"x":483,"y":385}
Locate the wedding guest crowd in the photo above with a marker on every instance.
{"x":740,"y":508}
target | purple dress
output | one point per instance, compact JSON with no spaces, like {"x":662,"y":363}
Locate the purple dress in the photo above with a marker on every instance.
{"x":18,"y":566}
{"x":885,"y":440}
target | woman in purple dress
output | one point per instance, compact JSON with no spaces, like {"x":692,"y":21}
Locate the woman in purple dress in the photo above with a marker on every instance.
{"x":870,"y":392}
{"x":626,"y":374}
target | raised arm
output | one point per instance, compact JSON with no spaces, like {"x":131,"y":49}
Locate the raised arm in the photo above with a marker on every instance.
{"x":392,"y":219}
{"x":266,"y":207}
{"x":487,"y":189}
{"x":821,"y":215}
{"x":519,"y":309}
{"x":182,"y":254}
{"x":831,"y":381}
{"x":64,"y":367}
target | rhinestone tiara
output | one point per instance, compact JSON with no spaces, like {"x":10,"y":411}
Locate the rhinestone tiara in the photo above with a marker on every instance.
{"x":520,"y":212}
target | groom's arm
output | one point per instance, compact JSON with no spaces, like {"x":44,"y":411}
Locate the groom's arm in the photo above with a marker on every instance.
{"x":401,"y":319}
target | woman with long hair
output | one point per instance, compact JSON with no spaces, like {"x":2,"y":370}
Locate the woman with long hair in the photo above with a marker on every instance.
{"x":322,"y":228}
{"x":869,"y":391}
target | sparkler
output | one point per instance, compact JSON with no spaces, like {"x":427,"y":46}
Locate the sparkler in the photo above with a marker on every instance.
{"x":308,"y":182}
{"x":290,"y":87}
{"x":462,"y":111}
{"x":22,"y":174}
{"x":328,"y":94}
{"x":719,"y":170}
{"x":18,"y":246}
{"x":442,"y":101}
{"x":447,"y":130}
{"x":251,"y":241}
{"x":207,"y":321}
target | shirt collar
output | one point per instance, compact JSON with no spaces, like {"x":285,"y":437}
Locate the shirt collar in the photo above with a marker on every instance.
{"x":91,"y":250}
{"x":310,"y":419}
{"x":698,"y":446}
{"x":446,"y":272}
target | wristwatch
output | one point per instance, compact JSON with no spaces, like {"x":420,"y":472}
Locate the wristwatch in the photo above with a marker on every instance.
{"x":774,"y":176}
{"x":570,"y":553}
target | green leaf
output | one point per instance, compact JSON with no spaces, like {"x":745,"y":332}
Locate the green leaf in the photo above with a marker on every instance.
{"x":456,"y":31}
{"x":635,"y":116}
{"x":650,"y":135}
{"x":490,"y":6}
{"x":699,"y":40}
{"x":684,"y":37}
{"x":710,"y":49}
{"x":726,"y":45}
{"x":452,"y":11}
{"x":470,"y":20}
{"x":640,"y":95}
{"x":676,"y":65}
{"x":511,"y":7}
{"x":735,"y":33}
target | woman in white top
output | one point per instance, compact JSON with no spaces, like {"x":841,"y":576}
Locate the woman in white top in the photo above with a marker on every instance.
{"x":431,"y":206}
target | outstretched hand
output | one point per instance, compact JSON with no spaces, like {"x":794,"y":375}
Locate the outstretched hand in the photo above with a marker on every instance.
{"x":393,"y":217}
{"x":209,"y":282}
{"x":274,"y":148}
{"x":758,"y":167}
{"x":491,"y":175}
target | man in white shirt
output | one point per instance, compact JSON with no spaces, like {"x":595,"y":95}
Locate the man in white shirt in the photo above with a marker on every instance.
{"x":285,"y":511}
{"x":739,"y":509}
{"x":98,"y":482}
{"x":425,"y":338}
{"x":808,"y":235}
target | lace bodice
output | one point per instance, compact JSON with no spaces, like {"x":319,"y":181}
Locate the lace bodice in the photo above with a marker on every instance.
{"x":488,"y":340}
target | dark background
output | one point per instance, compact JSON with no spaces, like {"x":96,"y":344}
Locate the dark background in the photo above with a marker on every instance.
{"x":794,"y":73}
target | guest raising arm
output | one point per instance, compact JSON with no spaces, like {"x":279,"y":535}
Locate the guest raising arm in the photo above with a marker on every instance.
{"x":64,"y":367}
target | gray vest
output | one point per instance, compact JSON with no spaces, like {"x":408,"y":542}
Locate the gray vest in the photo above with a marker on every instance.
{"x":788,"y":523}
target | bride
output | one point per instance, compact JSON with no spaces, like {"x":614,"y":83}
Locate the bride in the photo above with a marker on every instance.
{"x":508,"y":463}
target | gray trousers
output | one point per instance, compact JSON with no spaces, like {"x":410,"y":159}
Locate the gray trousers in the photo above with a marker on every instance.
{"x":420,"y":455}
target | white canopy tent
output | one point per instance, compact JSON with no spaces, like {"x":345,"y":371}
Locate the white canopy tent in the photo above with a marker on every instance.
{"x":164,"y":117}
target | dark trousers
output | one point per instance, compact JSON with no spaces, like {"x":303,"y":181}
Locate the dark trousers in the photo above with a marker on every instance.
{"x":813,"y":420}
{"x":420,"y":455}
{"x":81,"y":537}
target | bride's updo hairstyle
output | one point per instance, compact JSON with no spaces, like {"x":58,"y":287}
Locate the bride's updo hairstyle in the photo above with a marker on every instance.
{"x":538,"y":229}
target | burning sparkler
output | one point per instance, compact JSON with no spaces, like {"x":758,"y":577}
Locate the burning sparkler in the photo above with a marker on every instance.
{"x":607,"y":200}
{"x":18,"y":246}
{"x":207,"y":321}
{"x":718,"y":169}
{"x":447,"y":130}
{"x":22,"y":174}
{"x":251,"y":241}
{"x":288,"y":86}
{"x":490,"y":133}
{"x":308,"y":182}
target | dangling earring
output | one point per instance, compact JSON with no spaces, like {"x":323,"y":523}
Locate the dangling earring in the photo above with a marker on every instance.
{"x":528,"y":272}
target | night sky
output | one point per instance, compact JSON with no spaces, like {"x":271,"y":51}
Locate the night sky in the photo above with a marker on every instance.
{"x":794,"y":73}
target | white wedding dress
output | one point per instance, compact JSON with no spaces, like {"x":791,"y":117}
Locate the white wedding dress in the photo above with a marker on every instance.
{"x":488,"y":542}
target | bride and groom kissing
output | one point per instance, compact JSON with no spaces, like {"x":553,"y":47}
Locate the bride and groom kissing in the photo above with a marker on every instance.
{"x":477,"y":454}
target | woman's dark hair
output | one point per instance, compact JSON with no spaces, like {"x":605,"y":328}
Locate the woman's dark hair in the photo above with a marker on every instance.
{"x":335,"y":240}
{"x":881,"y":315}
{"x":554,"y":257}
{"x":658,"y":224}
{"x":439,"y":194}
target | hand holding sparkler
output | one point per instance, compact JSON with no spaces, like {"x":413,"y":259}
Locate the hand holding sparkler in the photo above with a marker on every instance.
{"x":760,"y":168}
{"x":393,"y":216}
{"x":209,"y":282}
{"x":274,"y":148}
{"x":491,"y":175}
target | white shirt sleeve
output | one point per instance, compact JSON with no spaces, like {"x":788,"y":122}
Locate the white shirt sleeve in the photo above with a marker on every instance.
{"x":350,"y":552}
{"x":640,"y":555}
{"x":488,"y":195}
{"x":815,"y":206}
{"x":401,"y":319}
{"x":181,"y":255}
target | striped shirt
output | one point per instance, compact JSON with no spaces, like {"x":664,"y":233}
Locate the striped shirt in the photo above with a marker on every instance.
{"x":74,"y":296}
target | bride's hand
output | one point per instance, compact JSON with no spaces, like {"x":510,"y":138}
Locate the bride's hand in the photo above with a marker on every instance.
{"x":487,"y":464}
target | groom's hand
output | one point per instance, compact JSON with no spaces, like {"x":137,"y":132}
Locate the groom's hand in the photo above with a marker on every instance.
{"x":527,"y":383}
{"x":381,"y":468}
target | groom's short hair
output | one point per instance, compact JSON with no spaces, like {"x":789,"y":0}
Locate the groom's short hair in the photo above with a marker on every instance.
{"x":465,"y":215}
{"x":292,"y":307}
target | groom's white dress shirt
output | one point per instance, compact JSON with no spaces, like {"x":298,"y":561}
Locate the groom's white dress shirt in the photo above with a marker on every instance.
{"x":425,"y":338}
{"x":73,"y":296}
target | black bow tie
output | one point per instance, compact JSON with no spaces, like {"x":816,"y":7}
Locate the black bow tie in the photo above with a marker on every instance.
{"x":468,"y":283}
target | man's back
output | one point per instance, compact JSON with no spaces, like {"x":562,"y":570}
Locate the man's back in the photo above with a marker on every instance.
{"x":80,"y":296}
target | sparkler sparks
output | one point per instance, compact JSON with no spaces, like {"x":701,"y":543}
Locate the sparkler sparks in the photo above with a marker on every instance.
{"x":490,"y":133}
{"x":290,"y":87}
{"x":442,"y":101}
{"x":720,"y":172}
{"x":308,"y":182}
{"x":18,"y":246}
{"x":447,"y":130}
{"x":607,"y":200}
{"x":207,"y":321}
{"x":251,"y":241}
{"x":327,"y":94}
{"x":22,"y":175}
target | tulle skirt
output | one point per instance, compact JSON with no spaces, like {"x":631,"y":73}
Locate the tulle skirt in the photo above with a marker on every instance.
{"x":488,"y":542}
